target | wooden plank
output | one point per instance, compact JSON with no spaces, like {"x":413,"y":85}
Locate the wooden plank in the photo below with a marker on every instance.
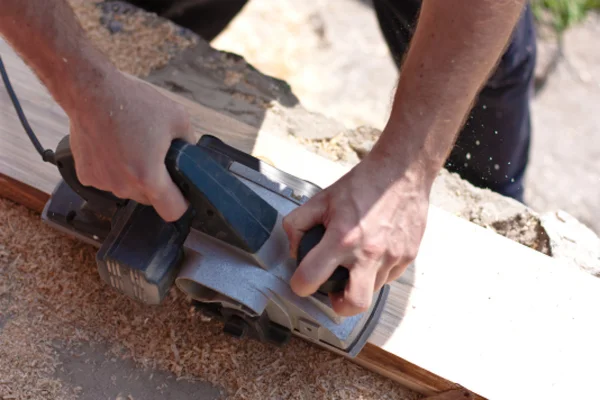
{"x":28,"y":196}
{"x":457,"y":394}
{"x":475,"y":309}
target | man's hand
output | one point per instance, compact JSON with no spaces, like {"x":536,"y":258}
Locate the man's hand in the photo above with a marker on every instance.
{"x":120,"y":137}
{"x":375,"y":217}
{"x":121,"y":129}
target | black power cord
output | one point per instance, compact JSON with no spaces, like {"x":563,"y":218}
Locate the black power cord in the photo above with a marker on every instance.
{"x":47,"y":154}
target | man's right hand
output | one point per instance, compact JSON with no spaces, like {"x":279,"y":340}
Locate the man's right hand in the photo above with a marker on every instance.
{"x":120,"y":135}
{"x":121,"y":129}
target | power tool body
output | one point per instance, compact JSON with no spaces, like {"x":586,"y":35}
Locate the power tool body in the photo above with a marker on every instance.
{"x":228,"y":253}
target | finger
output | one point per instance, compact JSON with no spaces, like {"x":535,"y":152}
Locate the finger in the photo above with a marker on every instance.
{"x":397,"y":271}
{"x":358,"y":295}
{"x":85,"y":174}
{"x":389,"y":267}
{"x":382,"y":278}
{"x":303,"y":218}
{"x":166,"y":197}
{"x":122,"y":193}
{"x":316,"y":267}
{"x":141,"y":199}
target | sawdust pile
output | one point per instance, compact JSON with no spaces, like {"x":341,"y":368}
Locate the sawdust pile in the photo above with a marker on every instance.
{"x":135,"y":41}
{"x":349,"y":146}
{"x":50,"y":291}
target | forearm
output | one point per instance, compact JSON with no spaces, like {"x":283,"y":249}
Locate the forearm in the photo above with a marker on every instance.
{"x":48,"y":37}
{"x":454,"y":50}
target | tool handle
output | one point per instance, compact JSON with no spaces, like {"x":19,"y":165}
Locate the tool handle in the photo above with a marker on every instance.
{"x":101,"y":200}
{"x":228,"y":209}
{"x":339,"y":279}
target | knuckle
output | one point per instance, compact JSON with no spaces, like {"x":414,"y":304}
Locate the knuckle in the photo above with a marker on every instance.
{"x":396,"y":253}
{"x":141,"y":179}
{"x":349,"y":238}
{"x":410,"y":254}
{"x":374,"y":249}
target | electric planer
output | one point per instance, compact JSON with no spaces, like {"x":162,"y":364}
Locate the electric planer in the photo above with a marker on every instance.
{"x":229,"y":252}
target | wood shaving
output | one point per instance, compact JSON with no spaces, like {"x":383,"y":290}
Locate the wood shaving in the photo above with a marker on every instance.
{"x":52,"y":292}
{"x":136,"y":41}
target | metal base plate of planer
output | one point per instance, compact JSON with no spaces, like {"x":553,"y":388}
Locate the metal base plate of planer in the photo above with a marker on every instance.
{"x":250,"y":293}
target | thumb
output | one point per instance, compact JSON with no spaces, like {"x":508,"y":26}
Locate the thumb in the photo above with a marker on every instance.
{"x":166,"y":197}
{"x":302,"y":219}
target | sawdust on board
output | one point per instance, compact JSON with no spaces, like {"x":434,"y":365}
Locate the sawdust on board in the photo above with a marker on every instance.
{"x":136,"y":41}
{"x":50,"y":291}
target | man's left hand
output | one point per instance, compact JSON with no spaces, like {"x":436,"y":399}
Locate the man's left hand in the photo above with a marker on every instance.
{"x":375,"y":217}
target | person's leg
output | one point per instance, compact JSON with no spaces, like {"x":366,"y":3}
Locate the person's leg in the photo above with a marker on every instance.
{"x":492,"y":149}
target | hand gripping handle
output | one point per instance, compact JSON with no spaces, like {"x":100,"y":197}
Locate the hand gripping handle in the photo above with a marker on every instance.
{"x":229,"y":209}
{"x":339,"y":279}
{"x":99,"y":200}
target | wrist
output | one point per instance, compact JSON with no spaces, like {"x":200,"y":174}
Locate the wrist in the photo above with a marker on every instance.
{"x":86,"y":76}
{"x":403,"y":154}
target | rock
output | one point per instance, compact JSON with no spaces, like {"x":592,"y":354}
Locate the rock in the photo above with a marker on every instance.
{"x":309,"y":125}
{"x":362,"y":139}
{"x":117,"y":7}
{"x":556,"y":234}
{"x":572,"y":242}
{"x":115,"y":26}
{"x":491,"y":210}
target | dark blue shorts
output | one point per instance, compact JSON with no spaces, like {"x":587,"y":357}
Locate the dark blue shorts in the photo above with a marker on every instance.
{"x":492,"y":149}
